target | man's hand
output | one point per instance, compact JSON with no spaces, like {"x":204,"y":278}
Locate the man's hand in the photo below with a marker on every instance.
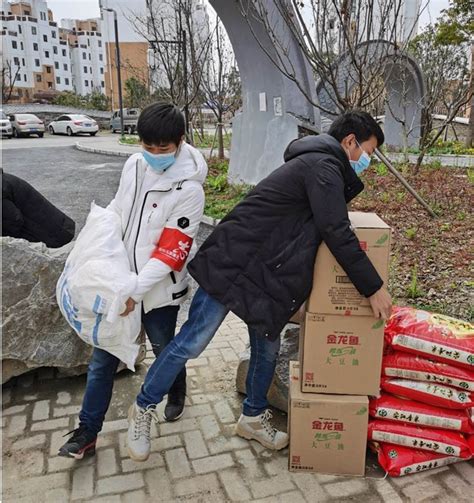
{"x":129,"y":306}
{"x":381,"y":304}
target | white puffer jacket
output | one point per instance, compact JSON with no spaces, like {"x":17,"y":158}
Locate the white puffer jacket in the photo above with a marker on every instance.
{"x":160,"y":216}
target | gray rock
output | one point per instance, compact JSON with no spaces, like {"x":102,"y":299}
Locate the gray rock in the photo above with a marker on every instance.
{"x":278,"y":393}
{"x":35,"y":334}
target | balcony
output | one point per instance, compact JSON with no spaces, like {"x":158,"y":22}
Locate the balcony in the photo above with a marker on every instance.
{"x":13,"y":33}
{"x":53,"y":23}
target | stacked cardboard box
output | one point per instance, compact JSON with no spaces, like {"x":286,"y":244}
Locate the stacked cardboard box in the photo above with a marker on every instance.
{"x":340,"y":359}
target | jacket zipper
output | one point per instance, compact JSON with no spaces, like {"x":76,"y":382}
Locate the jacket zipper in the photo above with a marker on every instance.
{"x":139,"y":225}
{"x":134,"y":200}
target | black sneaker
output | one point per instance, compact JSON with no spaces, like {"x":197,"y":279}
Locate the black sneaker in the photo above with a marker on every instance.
{"x":175,"y":405}
{"x":82,"y":443}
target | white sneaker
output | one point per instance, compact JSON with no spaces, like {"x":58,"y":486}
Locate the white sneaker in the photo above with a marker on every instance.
{"x":260,"y":429}
{"x":138,"y":437}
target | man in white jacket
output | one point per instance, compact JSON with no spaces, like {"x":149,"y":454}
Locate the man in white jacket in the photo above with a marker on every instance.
{"x":160,"y":201}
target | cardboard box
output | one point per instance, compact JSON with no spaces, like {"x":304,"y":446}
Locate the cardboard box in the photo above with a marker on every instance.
{"x":341,"y":354}
{"x":333,"y":292}
{"x":328,"y":433}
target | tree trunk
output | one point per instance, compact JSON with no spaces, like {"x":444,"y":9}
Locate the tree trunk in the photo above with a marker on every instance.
{"x":470,"y":129}
{"x":220,"y":137}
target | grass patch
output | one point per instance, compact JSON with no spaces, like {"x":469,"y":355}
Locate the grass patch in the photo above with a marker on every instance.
{"x":208,"y":139}
{"x":129,"y":140}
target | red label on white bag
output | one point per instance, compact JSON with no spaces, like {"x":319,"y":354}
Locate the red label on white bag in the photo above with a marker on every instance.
{"x":173,"y":248}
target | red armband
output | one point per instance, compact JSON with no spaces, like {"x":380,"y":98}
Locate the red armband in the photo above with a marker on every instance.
{"x":173,"y":248}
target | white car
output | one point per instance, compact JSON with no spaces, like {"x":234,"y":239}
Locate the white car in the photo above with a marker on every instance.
{"x":72,"y":124}
{"x":26,"y":125}
{"x":5,"y":125}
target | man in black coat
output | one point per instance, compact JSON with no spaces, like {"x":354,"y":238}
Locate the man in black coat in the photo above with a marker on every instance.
{"x":28,"y":215}
{"x":258,"y":263}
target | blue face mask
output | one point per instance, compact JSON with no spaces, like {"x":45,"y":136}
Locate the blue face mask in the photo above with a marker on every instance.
{"x":159,"y":162}
{"x":362,"y":164}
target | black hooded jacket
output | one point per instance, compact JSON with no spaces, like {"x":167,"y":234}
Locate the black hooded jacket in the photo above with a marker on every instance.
{"x":29,"y":215}
{"x":259,"y":260}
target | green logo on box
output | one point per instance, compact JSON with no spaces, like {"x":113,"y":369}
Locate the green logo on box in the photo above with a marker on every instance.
{"x":378,"y":324}
{"x":381,"y":240}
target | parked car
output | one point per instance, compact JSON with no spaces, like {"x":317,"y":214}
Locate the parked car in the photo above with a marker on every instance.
{"x":5,"y":125}
{"x":130,"y":119}
{"x":26,"y":125}
{"x":72,"y":124}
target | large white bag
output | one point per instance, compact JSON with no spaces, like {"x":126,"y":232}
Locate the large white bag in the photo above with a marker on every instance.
{"x":96,"y":283}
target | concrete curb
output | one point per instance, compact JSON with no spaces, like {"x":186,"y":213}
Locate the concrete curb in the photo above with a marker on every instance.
{"x":455,"y":161}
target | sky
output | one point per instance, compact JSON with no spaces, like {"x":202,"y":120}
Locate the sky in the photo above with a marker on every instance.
{"x":83,"y":9}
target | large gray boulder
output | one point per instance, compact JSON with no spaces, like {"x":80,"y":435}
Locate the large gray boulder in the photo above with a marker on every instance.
{"x":278,"y":393}
{"x":35,"y":334}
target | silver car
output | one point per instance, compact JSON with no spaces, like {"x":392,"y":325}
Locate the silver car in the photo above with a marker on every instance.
{"x":5,"y":125}
{"x":26,"y":125}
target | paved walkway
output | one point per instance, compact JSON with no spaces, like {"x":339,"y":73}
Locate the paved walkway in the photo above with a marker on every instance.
{"x":197,"y":459}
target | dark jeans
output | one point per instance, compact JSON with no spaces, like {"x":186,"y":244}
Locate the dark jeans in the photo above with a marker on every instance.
{"x":160,"y":326}
{"x":205,"y":316}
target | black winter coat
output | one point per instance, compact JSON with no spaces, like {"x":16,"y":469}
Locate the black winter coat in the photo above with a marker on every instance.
{"x":259,"y":260}
{"x":29,"y":215}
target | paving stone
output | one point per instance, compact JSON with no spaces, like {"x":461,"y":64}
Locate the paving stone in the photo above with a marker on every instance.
{"x":177,"y":463}
{"x":421,"y":491}
{"x":158,"y":483}
{"x":223,"y":444}
{"x":154,"y":461}
{"x":106,"y":499}
{"x":224,"y":412}
{"x":123,"y":445}
{"x":211,"y":352}
{"x":271,"y":486}
{"x":278,"y":464}
{"x":406,"y":480}
{"x":15,"y":409}
{"x":197,"y":362}
{"x":234,"y":485}
{"x":213,"y":463}
{"x":58,"y":438}
{"x":51,"y":424}
{"x":229,"y":355}
{"x":252,"y":468}
{"x":309,"y":486}
{"x":346,"y":489}
{"x":136,"y":497}
{"x":292,"y":496}
{"x":35,"y":486}
{"x":120,"y":483}
{"x":40,"y":410}
{"x":218,"y":344}
{"x":163,"y":443}
{"x":30,"y":397}
{"x":63,"y":398}
{"x":209,"y":427}
{"x":458,"y":487}
{"x":71,"y":410}
{"x":57,"y":496}
{"x":198,"y":410}
{"x":466,"y":470}
{"x":195,"y":446}
{"x":60,"y":464}
{"x":179,"y":426}
{"x":387,"y":492}
{"x":106,"y":462}
{"x":16,"y":426}
{"x":82,"y":482}
{"x":29,"y":442}
{"x":198,"y":485}
{"x":118,"y":425}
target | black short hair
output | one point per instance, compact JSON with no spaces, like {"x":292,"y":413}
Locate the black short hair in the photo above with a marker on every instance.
{"x":161,"y":123}
{"x":360,"y":123}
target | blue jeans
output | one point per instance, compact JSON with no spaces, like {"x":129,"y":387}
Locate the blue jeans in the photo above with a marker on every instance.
{"x":160,"y":326}
{"x":205,"y":316}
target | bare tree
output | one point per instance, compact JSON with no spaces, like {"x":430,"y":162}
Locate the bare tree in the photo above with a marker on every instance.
{"x":221,"y":82}
{"x":180,"y":50}
{"x":9,"y":77}
{"x":327,"y":30}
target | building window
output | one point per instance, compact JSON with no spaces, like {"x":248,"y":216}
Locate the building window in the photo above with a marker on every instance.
{"x":85,"y":69}
{"x":53,"y":34}
{"x":43,"y":16}
{"x":18,"y":77}
{"x":55,"y":49}
{"x":19,"y":28}
{"x":89,"y":42}
{"x":37,"y":62}
{"x":33,"y":30}
{"x":48,"y":69}
{"x":102,"y":84}
{"x":65,"y":66}
{"x":101,"y":57}
{"x":84,"y":55}
{"x":14,"y":44}
{"x":102,"y":70}
{"x":64,"y":52}
{"x":24,"y":77}
{"x":38,"y":78}
{"x":45,"y":38}
{"x":50,"y":85}
{"x":21,"y":45}
{"x":89,"y":56}
{"x":35,"y":46}
{"x":56,"y":65}
{"x":23,"y":61}
{"x":58,"y":80}
{"x":66,"y":81}
{"x":27,"y":13}
{"x":46,"y":54}
{"x":92,"y":83}
{"x":86,"y":83}
{"x":99,"y":43}
{"x":16,"y":61}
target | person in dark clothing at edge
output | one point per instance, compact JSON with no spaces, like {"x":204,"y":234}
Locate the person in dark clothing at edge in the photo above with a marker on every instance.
{"x":27,"y":214}
{"x":258,"y":263}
